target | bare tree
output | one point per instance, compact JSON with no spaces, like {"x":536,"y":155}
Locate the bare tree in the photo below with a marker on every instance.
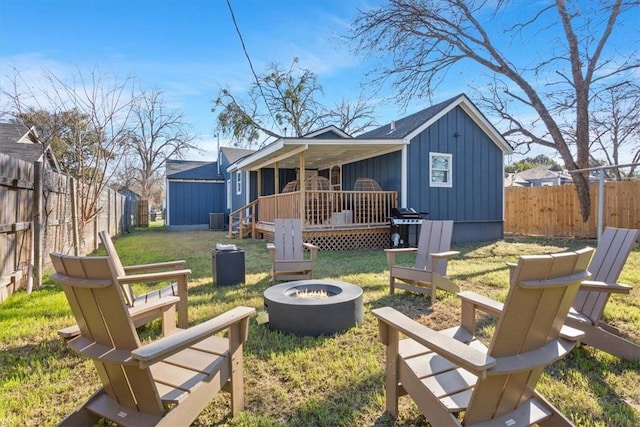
{"x":352,"y":117}
{"x":426,"y":38}
{"x":615,"y":124}
{"x":283,"y":102}
{"x":159,"y":134}
{"x":85,"y":117}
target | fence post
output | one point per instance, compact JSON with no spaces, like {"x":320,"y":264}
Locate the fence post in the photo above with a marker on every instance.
{"x":37,"y":227}
{"x":600,"y":203}
{"x":74,"y":216}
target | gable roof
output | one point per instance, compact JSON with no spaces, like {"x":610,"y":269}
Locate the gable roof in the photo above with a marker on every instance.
{"x":192,"y":170}
{"x":410,"y":126}
{"x":402,"y":127}
{"x":328,"y":133}
{"x":234,"y":154}
{"x":321,"y":152}
{"x":20,"y":142}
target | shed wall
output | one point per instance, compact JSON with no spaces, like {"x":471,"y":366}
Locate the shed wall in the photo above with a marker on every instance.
{"x":191,"y":202}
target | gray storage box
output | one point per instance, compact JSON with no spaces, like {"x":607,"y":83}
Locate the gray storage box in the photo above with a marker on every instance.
{"x":227,"y":267}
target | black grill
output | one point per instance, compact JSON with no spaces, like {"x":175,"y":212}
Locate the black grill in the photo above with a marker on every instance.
{"x":401,"y":231}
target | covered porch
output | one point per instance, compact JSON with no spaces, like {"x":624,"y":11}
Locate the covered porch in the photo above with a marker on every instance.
{"x":333,"y":218}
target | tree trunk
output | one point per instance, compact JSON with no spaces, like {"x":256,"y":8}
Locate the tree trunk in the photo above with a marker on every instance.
{"x":581,"y":180}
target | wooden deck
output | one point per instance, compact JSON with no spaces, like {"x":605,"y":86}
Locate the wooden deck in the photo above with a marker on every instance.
{"x":332,"y":220}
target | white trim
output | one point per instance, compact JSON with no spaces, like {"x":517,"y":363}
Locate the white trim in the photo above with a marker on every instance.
{"x":229,"y":195}
{"x":238,"y":183}
{"x":200,"y":181}
{"x":403,"y":175}
{"x":449,"y":182}
{"x":327,"y":129}
{"x":475,"y":115}
{"x":282,"y":156}
{"x":166,"y":216}
{"x":247,"y":188}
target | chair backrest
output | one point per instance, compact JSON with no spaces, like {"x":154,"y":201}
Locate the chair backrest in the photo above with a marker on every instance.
{"x":612,"y":252}
{"x":288,"y":239}
{"x":541,"y":292}
{"x":435,"y":236}
{"x":107,"y":331}
{"x":117,"y":265}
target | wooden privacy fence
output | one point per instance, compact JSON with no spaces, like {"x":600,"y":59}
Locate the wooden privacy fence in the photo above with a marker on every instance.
{"x":37,"y":217}
{"x":554,"y":211}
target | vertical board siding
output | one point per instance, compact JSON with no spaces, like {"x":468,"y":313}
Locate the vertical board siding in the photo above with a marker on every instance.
{"x":554,"y":211}
{"x":17,"y":215}
{"x":476,"y":194}
{"x":384,"y":169}
{"x":190,"y":203}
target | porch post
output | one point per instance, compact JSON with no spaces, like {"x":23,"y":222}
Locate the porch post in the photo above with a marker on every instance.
{"x":302,"y":190}
{"x":259,"y":183}
{"x":276,"y":179}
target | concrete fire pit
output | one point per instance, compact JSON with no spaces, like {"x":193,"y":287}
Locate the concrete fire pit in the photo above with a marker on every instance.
{"x":313,"y":307}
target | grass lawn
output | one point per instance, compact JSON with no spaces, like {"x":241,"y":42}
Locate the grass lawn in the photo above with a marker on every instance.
{"x":292,"y":381}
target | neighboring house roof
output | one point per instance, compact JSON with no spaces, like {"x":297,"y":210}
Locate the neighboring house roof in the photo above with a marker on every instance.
{"x":192,"y":170}
{"x":515,"y":180}
{"x":16,"y":140}
{"x":234,"y":154}
{"x":544,"y":172}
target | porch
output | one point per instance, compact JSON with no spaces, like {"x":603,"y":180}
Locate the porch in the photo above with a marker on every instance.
{"x":332,"y":219}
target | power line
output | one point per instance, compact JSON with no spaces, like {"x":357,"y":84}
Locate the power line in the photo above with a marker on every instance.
{"x":246,"y":54}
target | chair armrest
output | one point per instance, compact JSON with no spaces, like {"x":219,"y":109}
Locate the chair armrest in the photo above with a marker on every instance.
{"x":312,"y":248}
{"x":453,"y":350}
{"x":391,"y":254}
{"x":175,"y":265}
{"x":472,"y":302}
{"x":448,"y":254}
{"x":161,"y":349}
{"x":272,"y":251}
{"x":613,"y":288}
{"x":482,"y":303}
{"x":151,"y":277}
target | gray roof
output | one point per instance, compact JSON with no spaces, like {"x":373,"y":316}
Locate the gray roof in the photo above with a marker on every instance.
{"x":16,"y":140}
{"x":406,"y":125}
{"x":188,"y":169}
{"x":544,"y":172}
{"x":234,"y":154}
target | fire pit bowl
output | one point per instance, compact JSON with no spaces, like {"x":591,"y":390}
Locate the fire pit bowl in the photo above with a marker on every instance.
{"x":313,"y":307}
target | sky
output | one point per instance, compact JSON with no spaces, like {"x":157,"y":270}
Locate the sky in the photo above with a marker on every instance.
{"x":189,"y":49}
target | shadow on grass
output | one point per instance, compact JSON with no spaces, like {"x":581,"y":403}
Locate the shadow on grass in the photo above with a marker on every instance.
{"x":584,"y":364}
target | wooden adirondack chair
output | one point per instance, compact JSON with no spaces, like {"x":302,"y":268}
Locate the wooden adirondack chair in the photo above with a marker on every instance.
{"x":160,"y":303}
{"x":448,"y":372}
{"x":586,"y":314}
{"x":165,"y":383}
{"x":288,"y":261}
{"x":432,"y":256}
{"x":144,"y":273}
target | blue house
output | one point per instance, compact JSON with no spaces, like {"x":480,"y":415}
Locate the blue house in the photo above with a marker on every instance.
{"x":194,"y":191}
{"x":446,"y":160}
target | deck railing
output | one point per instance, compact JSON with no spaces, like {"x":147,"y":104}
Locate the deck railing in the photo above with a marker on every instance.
{"x":330,"y":208}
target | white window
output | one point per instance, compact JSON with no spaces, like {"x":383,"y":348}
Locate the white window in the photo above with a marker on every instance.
{"x":229,"y":194}
{"x":440,"y":170}
{"x":238,"y":182}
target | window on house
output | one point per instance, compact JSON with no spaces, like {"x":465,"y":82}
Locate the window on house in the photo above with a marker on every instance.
{"x":440,"y":170}
{"x":238,"y":182}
